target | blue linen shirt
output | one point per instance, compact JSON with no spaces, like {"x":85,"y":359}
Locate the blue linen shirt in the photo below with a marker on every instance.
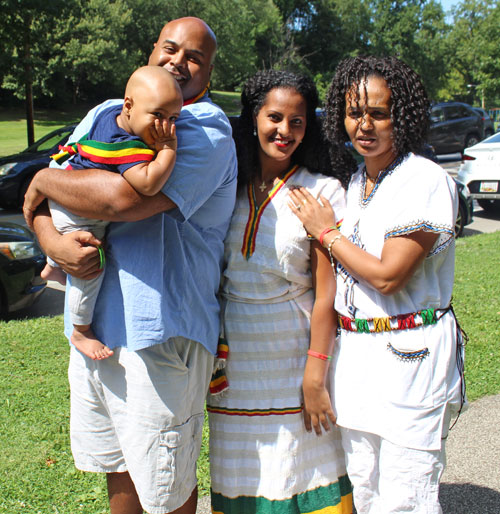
{"x":162,"y":273}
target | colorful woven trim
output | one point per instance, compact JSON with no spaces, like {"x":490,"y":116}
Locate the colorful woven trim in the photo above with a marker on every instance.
{"x":195,"y":98}
{"x":417,"y":226}
{"x":107,"y":153}
{"x":254,"y":412}
{"x":399,"y":322}
{"x":409,"y":356}
{"x":382,"y":174}
{"x":250,"y":234}
{"x":333,"y":498}
{"x":219,"y":382}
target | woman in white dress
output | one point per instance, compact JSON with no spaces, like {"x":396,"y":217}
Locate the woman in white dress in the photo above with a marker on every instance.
{"x":398,"y":363}
{"x":274,"y":447}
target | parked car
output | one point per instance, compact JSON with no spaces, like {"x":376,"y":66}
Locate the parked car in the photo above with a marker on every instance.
{"x":454,"y":126}
{"x":16,"y":171}
{"x":488,"y":125}
{"x":465,"y":207}
{"x":21,"y":262}
{"x":480,"y":171}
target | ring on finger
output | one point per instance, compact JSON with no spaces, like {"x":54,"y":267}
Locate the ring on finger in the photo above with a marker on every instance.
{"x":299,"y":207}
{"x":304,"y":201}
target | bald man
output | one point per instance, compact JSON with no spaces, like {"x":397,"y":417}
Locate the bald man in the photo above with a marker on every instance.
{"x":138,"y":414}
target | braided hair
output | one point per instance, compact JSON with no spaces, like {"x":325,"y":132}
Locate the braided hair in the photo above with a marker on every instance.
{"x":311,"y":153}
{"x":409,"y":104}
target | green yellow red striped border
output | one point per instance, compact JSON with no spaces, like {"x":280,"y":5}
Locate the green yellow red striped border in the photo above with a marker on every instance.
{"x":334,"y":498}
{"x":115,"y":153}
{"x":254,"y":412}
{"x":255,"y":214}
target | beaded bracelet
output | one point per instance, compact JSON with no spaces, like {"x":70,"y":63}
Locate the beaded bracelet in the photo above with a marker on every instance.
{"x":330,"y":245}
{"x":318,"y":355}
{"x":323,"y":234}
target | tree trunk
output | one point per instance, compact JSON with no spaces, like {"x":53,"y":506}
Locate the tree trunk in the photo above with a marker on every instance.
{"x":28,"y":82}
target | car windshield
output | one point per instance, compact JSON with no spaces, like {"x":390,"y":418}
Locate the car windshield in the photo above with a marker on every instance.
{"x":49,"y":141}
{"x":495,"y":138}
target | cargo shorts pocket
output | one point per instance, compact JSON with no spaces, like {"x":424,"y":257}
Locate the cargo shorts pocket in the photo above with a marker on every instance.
{"x":179,"y":447}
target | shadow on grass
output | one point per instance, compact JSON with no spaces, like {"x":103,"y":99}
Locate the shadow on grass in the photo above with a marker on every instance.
{"x":468,"y":499}
{"x":49,"y":303}
{"x":47,"y":117}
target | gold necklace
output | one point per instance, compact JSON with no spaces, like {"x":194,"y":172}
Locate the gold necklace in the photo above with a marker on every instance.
{"x":263,"y":186}
{"x":266,"y":183}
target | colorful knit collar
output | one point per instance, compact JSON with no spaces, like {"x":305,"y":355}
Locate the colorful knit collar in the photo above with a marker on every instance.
{"x":255,"y":212}
{"x":382,"y":174}
{"x":195,"y":98}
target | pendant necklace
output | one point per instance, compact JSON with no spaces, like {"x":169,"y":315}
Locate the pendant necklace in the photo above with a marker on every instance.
{"x":266,"y":183}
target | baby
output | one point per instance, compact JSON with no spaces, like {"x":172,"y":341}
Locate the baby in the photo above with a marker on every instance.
{"x":137,"y":140}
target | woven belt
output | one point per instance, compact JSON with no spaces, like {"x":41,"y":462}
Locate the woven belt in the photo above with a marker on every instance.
{"x":399,"y":322}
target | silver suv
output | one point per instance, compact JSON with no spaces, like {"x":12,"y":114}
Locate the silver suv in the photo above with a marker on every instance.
{"x":454,"y":126}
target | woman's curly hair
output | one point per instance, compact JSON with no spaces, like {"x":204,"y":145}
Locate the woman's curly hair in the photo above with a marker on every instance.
{"x":409,"y":104}
{"x":311,"y":153}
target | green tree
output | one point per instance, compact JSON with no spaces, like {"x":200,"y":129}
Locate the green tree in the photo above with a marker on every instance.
{"x":414,"y":31}
{"x":23,"y":37}
{"x":324,"y":32}
{"x":474,"y":52}
{"x":247,"y":33}
{"x":90,"y":48}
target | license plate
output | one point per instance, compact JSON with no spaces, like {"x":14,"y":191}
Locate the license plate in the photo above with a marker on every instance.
{"x":488,"y":187}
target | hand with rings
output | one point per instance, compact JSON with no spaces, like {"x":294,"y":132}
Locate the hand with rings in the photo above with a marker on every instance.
{"x":314,"y":215}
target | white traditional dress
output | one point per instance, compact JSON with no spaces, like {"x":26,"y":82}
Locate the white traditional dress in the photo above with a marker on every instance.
{"x":397,"y":364}
{"x":262,"y":459}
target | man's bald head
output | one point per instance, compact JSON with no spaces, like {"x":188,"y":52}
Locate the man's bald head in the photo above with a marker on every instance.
{"x":186,"y":48}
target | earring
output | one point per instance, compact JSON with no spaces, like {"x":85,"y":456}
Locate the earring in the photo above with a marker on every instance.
{"x":255,"y":131}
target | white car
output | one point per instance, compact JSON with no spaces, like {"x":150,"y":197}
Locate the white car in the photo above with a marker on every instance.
{"x":480,"y":172}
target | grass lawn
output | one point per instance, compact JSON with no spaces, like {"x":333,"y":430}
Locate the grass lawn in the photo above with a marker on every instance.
{"x":13,"y":130}
{"x":36,"y":471}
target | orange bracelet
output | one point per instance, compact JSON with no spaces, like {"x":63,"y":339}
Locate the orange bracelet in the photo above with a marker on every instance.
{"x":323,"y":234}
{"x":318,"y":355}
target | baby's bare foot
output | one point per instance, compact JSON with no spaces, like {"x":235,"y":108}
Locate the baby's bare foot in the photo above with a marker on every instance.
{"x":51,"y":273}
{"x":86,"y":342}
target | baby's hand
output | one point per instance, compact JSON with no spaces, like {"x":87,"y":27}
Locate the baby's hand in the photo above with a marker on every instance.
{"x":164,"y":136}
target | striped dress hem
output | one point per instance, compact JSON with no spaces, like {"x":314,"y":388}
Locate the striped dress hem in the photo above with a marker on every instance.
{"x":334,"y":498}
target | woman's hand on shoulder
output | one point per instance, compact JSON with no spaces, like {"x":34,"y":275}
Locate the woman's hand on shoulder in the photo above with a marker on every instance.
{"x":315,"y":215}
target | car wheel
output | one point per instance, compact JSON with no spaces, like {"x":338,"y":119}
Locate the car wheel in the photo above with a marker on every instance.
{"x":471,"y":140}
{"x":460,"y":221}
{"x":490,"y":205}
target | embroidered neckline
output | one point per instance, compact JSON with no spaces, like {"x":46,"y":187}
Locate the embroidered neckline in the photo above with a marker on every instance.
{"x":255,"y":212}
{"x":382,"y":174}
